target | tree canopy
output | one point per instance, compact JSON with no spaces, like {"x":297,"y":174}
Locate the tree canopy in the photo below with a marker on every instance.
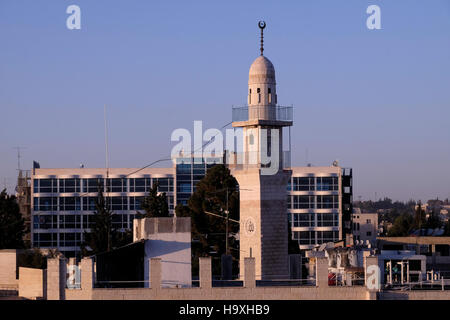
{"x":216,"y":192}
{"x":103,"y":237}
{"x":12,"y":224}
{"x":402,"y":226}
{"x":155,"y":205}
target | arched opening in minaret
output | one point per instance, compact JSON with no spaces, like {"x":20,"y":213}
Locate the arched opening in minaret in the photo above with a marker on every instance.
{"x":250,"y":96}
{"x":258,"y":91}
{"x":269,"y":91}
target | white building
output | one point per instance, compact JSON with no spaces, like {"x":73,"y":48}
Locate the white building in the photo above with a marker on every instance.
{"x":365,"y":227}
{"x":318,"y":200}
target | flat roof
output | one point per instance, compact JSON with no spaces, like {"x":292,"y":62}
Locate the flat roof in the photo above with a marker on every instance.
{"x":416,"y":240}
{"x":102,"y":171}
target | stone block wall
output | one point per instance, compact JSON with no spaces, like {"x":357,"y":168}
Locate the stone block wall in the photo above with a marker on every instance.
{"x":8,"y":269}
{"x":32,"y":283}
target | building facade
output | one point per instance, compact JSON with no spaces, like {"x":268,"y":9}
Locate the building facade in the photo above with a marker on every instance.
{"x":365,"y":227}
{"x":318,"y":199}
{"x":62,"y":200}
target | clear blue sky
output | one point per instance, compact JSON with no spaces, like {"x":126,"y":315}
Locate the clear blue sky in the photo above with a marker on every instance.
{"x":377,"y":100}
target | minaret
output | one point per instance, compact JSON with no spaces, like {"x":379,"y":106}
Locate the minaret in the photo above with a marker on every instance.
{"x":261,"y":176}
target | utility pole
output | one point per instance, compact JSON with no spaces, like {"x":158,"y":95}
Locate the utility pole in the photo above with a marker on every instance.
{"x":226,"y":227}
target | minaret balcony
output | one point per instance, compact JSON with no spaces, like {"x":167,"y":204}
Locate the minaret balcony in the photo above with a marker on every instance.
{"x":279,"y":116}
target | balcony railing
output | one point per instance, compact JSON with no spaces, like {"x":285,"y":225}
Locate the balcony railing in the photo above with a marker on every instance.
{"x":279,"y":113}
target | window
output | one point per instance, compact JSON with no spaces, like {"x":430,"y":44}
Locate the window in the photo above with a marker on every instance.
{"x":184,"y":187}
{"x":118,"y":203}
{"x":368,"y":221}
{"x":303,"y":220}
{"x":69,"y":185}
{"x":45,"y":204}
{"x":45,"y":221}
{"x":303,"y":202}
{"x":164,"y":184}
{"x":116,"y":185}
{"x":119,"y":221}
{"x":88,"y":221}
{"x":170,"y":202}
{"x":327,"y":236}
{"x":45,"y":239}
{"x":259,"y":94}
{"x":327,"y":220}
{"x":250,"y":96}
{"x":69,"y":203}
{"x":270,"y":95}
{"x":304,"y":237}
{"x":369,"y":233}
{"x":70,"y":239}
{"x":251,"y":139}
{"x":303,"y":184}
{"x":69,"y":221}
{"x":327,"y":183}
{"x":46,"y":185}
{"x":140,"y":184}
{"x":136,"y":203}
{"x":327,"y":202}
{"x":92,"y":185}
{"x":89,"y":203}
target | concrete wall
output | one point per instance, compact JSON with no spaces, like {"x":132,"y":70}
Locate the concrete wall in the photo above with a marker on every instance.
{"x":8,"y":265}
{"x":56,"y":278}
{"x":32,"y":283}
{"x":207,"y":292}
{"x":249,"y":292}
{"x":168,"y":239}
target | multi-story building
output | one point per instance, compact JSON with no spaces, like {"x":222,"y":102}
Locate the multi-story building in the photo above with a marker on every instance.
{"x":318,"y":201}
{"x":63,"y":200}
{"x":365,"y":227}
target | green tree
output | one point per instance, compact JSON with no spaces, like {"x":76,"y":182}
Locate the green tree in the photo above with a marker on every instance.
{"x":12,"y":225}
{"x":32,"y":258}
{"x":155,"y":205}
{"x":447,"y":229}
{"x":402,"y":226}
{"x":433,"y":220}
{"x":103,"y":237}
{"x":216,"y":192}
{"x":419,"y":217}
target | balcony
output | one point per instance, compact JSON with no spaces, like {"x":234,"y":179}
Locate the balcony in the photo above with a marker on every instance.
{"x":276,"y":113}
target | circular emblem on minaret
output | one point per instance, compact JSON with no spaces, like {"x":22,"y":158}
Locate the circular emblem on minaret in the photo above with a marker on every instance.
{"x":249,"y":226}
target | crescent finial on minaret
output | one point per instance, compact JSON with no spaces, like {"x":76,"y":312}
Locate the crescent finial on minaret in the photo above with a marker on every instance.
{"x":262,"y":25}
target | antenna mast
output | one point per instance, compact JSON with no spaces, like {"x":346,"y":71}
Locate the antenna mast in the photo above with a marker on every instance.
{"x":106,"y":144}
{"x":18,"y":156}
